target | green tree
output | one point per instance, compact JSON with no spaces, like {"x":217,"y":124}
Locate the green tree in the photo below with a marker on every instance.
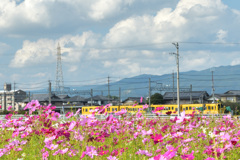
{"x":157,"y":98}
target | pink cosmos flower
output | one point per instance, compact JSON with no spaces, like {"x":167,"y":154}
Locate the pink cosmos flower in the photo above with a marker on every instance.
{"x":69,"y":115}
{"x":72,"y":125}
{"x":145,"y":106}
{"x":209,"y":158}
{"x":91,"y":151}
{"x":9,"y":108}
{"x":25,"y":134}
{"x":178,"y":134}
{"x":171,"y":152}
{"x":45,"y":155}
{"x":55,"y":116}
{"x":72,"y":153}
{"x":123,"y":111}
{"x":112,"y":158}
{"x":51,"y":146}
{"x":144,"y":152}
{"x":181,"y":118}
{"x":157,"y":138}
{"x":103,"y":152}
{"x":141,"y":99}
{"x":145,"y":140}
{"x":78,"y":111}
{"x":147,"y":132}
{"x":63,"y":151}
{"x":224,"y":136}
{"x":188,"y":156}
{"x":15,"y":134}
{"x":32,"y":105}
{"x":8,"y":116}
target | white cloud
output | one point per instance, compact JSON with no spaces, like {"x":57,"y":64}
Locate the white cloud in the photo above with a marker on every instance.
{"x":104,"y":8}
{"x":72,"y":68}
{"x":39,"y":75}
{"x":101,"y":51}
{"x":235,"y":62}
{"x":190,"y":19}
{"x":44,"y":50}
{"x":221,"y":35}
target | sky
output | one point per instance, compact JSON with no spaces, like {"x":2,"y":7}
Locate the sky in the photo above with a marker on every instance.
{"x":115,"y":38}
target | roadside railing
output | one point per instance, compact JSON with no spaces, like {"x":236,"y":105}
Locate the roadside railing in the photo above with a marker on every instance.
{"x":148,"y":115}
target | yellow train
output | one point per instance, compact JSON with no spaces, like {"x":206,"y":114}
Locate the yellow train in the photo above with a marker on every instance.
{"x":209,"y":108}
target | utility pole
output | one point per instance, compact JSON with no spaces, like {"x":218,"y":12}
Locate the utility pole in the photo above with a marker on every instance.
{"x":5,"y":104}
{"x":173,"y":87}
{"x":149,"y":99}
{"x":177,"y":60}
{"x":119,"y":96}
{"x":108,"y":90}
{"x":191,"y":94}
{"x":14,"y":96}
{"x":49,"y":92}
{"x":213,"y":89}
{"x":91,"y":96}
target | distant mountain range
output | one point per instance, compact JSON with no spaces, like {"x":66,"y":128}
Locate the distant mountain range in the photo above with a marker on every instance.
{"x":224,"y":78}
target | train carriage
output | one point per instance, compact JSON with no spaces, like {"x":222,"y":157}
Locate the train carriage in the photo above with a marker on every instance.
{"x":209,"y":108}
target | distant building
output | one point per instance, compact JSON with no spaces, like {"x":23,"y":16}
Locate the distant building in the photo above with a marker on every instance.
{"x":99,"y":100}
{"x":9,"y":97}
{"x":133,"y":100}
{"x":212,"y":99}
{"x":231,"y":96}
{"x":44,"y":99}
{"x":186,"y":97}
{"x":77,"y":100}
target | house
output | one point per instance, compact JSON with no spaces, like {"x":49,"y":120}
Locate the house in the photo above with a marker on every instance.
{"x":186,"y":97}
{"x":9,"y":97}
{"x":99,"y":100}
{"x":77,"y":100}
{"x":44,"y":99}
{"x":214,"y":98}
{"x":133,"y":100}
{"x":231,"y":96}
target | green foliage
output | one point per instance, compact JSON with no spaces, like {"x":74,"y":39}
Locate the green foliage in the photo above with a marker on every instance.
{"x":157,"y":98}
{"x":235,"y":107}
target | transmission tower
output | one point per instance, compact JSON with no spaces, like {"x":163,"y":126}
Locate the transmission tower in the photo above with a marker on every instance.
{"x":59,"y":75}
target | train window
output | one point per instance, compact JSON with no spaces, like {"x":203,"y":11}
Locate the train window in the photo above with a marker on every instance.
{"x":190,"y":108}
{"x":186,"y":108}
{"x":172,"y":108}
{"x":86,"y":110}
{"x":153,"y":108}
{"x":208,"y":108}
{"x":112,"y":109}
{"x":115,"y":109}
{"x":212,"y":108}
{"x":108,"y":109}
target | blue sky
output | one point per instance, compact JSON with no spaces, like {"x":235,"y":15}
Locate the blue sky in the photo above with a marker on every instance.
{"x":116,"y":38}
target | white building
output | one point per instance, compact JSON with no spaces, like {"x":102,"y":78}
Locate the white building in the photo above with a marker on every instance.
{"x":9,"y":97}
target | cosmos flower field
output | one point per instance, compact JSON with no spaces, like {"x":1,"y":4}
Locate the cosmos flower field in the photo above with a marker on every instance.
{"x":49,"y":136}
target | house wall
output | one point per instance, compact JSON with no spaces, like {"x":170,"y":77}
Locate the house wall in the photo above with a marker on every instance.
{"x":230,"y":99}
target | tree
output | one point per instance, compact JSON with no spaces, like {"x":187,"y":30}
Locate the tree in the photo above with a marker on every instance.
{"x":157,"y":98}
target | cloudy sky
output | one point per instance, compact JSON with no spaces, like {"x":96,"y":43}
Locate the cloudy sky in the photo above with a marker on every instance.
{"x":116,"y":38}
